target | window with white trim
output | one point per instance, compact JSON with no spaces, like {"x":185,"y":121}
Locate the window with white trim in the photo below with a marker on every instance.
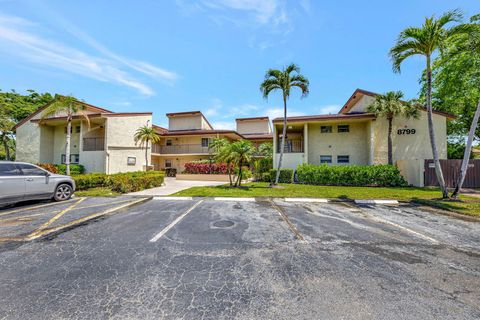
{"x":343,"y":159}
{"x":168,"y":163}
{"x":205,"y":142}
{"x":325,"y":159}
{"x":326,"y":129}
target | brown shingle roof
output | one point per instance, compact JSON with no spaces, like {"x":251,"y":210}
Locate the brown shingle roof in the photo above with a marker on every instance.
{"x":326,"y":117}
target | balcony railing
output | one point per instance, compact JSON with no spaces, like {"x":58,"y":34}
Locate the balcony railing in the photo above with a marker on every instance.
{"x":180,"y":149}
{"x":291,"y":146}
{"x":93,"y":144}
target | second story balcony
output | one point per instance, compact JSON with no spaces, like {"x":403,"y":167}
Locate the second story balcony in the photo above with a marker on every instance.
{"x":93,"y":144}
{"x":180,"y":149}
{"x":291,"y":146}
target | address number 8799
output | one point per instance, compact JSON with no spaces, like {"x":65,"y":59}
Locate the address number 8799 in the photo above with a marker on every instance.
{"x":406,"y":131}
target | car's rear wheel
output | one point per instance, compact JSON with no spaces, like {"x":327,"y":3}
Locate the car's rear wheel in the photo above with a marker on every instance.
{"x":63,"y":192}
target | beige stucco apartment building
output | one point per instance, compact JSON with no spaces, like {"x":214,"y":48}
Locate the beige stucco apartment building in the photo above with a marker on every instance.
{"x":106,"y":144}
{"x":354,"y":136}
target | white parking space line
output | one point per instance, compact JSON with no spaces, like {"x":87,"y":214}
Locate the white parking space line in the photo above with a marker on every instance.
{"x":418,"y":234}
{"x":171,"y":225}
{"x":173,"y":198}
{"x":234,"y":199}
{"x":318,"y":200}
{"x":376,"y":201}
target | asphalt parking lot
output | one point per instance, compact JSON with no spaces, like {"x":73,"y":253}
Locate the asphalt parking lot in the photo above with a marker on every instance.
{"x":233,"y":259}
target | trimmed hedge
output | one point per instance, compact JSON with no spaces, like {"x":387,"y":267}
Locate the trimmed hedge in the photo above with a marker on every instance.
{"x":262,"y":169}
{"x":352,"y":175}
{"x":120,"y":182}
{"x":286,"y":175}
{"x":203,"y":168}
{"x":62,"y":169}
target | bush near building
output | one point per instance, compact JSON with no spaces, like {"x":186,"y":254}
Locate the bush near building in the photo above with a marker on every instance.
{"x":286,"y":175}
{"x":62,"y":169}
{"x":353,"y":175}
{"x":120,"y":182}
{"x":203,"y":168}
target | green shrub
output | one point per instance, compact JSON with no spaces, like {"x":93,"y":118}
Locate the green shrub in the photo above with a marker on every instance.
{"x":74,"y":169}
{"x":352,"y":175}
{"x":262,"y":166}
{"x":90,"y":180}
{"x":134,"y":181}
{"x":120,"y":182}
{"x":286,"y":175}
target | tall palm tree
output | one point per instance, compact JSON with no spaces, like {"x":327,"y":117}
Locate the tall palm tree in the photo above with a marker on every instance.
{"x":243,"y":152}
{"x":143,"y":136}
{"x":471,"y":41}
{"x":425,"y":41}
{"x":284,"y":80}
{"x":71,"y":107}
{"x":223,"y":154}
{"x":466,"y":155}
{"x":390,"y":105}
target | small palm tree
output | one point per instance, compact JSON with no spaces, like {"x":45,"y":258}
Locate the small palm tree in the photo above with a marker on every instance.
{"x":242,"y":152}
{"x":425,"y":41}
{"x":6,"y":134}
{"x":223,"y":154}
{"x":70,"y":106}
{"x":266,"y":150}
{"x":283,"y":80}
{"x":390,"y":105}
{"x":143,"y":136}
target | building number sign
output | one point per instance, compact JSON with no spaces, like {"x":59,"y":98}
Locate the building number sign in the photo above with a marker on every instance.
{"x":406,"y":131}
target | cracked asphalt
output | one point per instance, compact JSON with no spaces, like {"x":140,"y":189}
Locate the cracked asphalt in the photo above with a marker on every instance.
{"x":242,"y":260}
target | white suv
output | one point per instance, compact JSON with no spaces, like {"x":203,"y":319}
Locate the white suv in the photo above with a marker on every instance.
{"x":21,"y":181}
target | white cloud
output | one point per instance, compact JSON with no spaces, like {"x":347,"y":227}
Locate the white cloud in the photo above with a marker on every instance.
{"x":214,"y":109}
{"x":16,"y":35}
{"x":224,"y":125}
{"x":273,"y":113}
{"x":243,"y":110}
{"x":330,"y":109}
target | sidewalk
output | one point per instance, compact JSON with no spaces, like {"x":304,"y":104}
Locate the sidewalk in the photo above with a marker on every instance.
{"x":172,"y":186}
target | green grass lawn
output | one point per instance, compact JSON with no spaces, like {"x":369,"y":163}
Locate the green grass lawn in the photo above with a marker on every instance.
{"x":97,"y":192}
{"x":428,"y":196}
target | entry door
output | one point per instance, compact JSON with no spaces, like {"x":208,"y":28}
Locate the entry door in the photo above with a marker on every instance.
{"x":12,"y":183}
{"x":37,"y":182}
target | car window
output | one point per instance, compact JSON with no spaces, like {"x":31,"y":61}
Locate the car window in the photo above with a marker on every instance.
{"x":29,"y":170}
{"x":9,"y":169}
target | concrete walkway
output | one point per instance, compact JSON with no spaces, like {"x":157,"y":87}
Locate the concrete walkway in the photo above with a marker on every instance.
{"x":172,"y":186}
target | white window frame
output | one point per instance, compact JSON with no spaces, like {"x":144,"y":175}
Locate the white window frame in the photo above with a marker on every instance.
{"x":343,"y":162}
{"x":326,"y":155}
{"x":329,"y":131}
{"x":168,"y":163}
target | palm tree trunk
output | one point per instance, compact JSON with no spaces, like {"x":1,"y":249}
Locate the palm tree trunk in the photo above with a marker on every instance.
{"x":146,"y":156}
{"x":6,"y":147}
{"x":282,"y":144}
{"x":67,"y":145}
{"x":466,"y":155}
{"x":229,"y":170}
{"x":436,"y":160}
{"x":239,"y":178}
{"x":390,"y":151}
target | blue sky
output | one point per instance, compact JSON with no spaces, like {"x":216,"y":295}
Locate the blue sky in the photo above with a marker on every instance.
{"x":208,"y":55}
